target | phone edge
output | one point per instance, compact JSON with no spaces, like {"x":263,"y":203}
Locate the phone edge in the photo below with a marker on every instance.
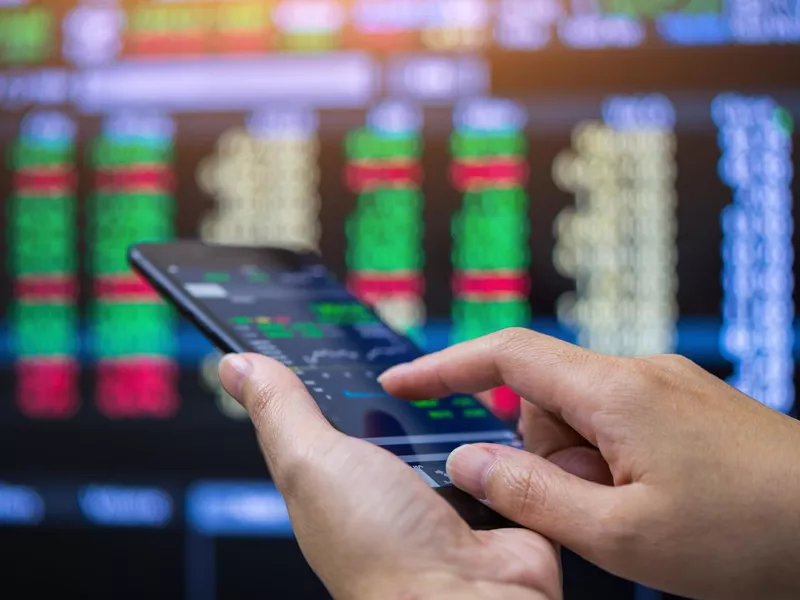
{"x":184,"y":303}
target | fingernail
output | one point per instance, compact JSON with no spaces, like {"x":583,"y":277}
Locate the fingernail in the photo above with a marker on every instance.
{"x":467,"y":467}
{"x":233,"y":378}
{"x":394,"y":371}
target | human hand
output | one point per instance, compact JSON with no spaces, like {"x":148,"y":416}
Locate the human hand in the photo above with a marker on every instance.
{"x":367,"y":524}
{"x":649,"y":467}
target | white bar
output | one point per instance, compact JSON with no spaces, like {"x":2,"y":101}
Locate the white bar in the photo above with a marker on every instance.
{"x":412,"y":458}
{"x":206,"y":290}
{"x":44,"y":87}
{"x":436,"y":78}
{"x":323,"y":81}
{"x":436,"y":438}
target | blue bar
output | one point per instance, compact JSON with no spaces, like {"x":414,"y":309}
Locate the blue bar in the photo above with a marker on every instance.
{"x":20,"y":505}
{"x":694,"y":30}
{"x":121,"y":506}
{"x":697,"y":338}
{"x":349,"y":394}
{"x":237,"y":509}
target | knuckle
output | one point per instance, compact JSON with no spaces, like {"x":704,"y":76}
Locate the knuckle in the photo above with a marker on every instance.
{"x":621,"y":375}
{"x":295,"y":472}
{"x":675,"y":362}
{"x":301,"y":467}
{"x":646,"y":371}
{"x":512,"y":339}
{"x":621,"y":531}
{"x":664,"y":372}
{"x":521,"y":491}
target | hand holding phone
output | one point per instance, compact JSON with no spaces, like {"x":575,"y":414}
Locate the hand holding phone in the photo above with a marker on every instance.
{"x":369,"y":526}
{"x":288,"y":306}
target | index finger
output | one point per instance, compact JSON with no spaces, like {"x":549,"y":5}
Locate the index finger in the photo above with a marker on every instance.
{"x":557,"y":376}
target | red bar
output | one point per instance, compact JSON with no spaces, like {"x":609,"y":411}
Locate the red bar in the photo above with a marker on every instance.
{"x":47,"y":388}
{"x":505,"y":403}
{"x":370,"y":286}
{"x":467,"y":283}
{"x":46,"y":288}
{"x":44,"y":180}
{"x":490,"y":171}
{"x":242,"y":42}
{"x":127,"y":286}
{"x":136,"y":178}
{"x":137,"y":388}
{"x":149,"y":44}
{"x":363,"y":176}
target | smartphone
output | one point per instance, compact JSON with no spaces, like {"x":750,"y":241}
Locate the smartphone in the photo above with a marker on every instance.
{"x":289,"y":306}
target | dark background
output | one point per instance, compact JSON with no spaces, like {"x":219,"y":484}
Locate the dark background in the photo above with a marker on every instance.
{"x":80,"y":559}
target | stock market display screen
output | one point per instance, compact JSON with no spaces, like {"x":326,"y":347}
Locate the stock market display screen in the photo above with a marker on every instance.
{"x":616,"y":173}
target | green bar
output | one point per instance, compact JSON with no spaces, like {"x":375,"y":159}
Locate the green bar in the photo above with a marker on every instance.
{"x":476,"y":413}
{"x":464,"y":401}
{"x":472,"y":319}
{"x":485,"y":247}
{"x":695,"y":7}
{"x":258,"y":277}
{"x":491,"y":231}
{"x":26,"y":154}
{"x":371,"y":254}
{"x":217,"y":277}
{"x":385,"y":231}
{"x":440,"y":414}
{"x":275,"y":330}
{"x":469,"y":144}
{"x":350,"y":313}
{"x":140,"y":209}
{"x":362,"y":144}
{"x":648,"y":9}
{"x":107,"y":152}
{"x":309,"y":330}
{"x":44,"y":329}
{"x":783,"y":119}
{"x":311,"y":42}
{"x":40,"y":256}
{"x":119,"y":220}
{"x":123,"y":329}
{"x":166,"y":19}
{"x":491,"y":201}
{"x":26,"y":35}
{"x":242,"y":17}
{"x":425,"y":403}
{"x":42,"y":235}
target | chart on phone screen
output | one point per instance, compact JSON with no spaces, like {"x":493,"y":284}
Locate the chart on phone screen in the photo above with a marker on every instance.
{"x":338,"y":348}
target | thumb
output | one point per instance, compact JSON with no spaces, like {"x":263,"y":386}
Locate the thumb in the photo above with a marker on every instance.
{"x":539,"y":495}
{"x":287,"y":420}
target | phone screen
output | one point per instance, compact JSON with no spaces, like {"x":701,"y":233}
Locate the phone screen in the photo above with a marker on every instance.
{"x":290,"y":307}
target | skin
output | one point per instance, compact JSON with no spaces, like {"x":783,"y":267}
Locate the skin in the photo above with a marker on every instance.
{"x":367,"y":524}
{"x":649,"y":467}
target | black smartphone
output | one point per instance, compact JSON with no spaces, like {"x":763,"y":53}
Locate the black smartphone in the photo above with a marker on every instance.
{"x":289,"y":306}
